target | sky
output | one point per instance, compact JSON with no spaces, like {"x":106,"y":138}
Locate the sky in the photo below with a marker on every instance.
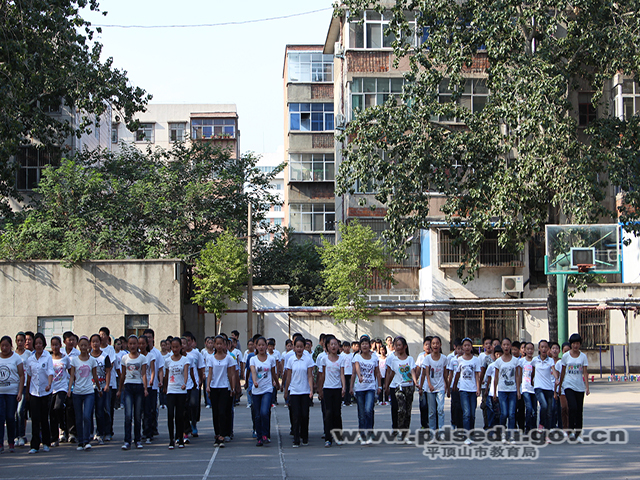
{"x":239,"y":64}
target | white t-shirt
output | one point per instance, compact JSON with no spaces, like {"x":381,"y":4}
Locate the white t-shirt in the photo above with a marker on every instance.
{"x":9,"y":377}
{"x":205,"y":356}
{"x":347,"y":363}
{"x":196,"y":362}
{"x":452,"y":362}
{"x":39,"y":370}
{"x":133,"y":368}
{"x":367,"y":370}
{"x":331,"y":370}
{"x":467,"y":370}
{"x":543,"y":378}
{"x":73,"y":353}
{"x":263,"y":374}
{"x":111,"y":352}
{"x":527,"y":371}
{"x":402,"y":371}
{"x":238,"y":354}
{"x":103,"y":362}
{"x":60,"y":374}
{"x":382,"y":366}
{"x":319,"y":358}
{"x":175,"y":374}
{"x":299,"y":384}
{"x":558,"y":368}
{"x":488,"y":378}
{"x":437,"y":369}
{"x":574,"y":368}
{"x":83,"y":376}
{"x":218,"y":369}
{"x":420,"y":359}
{"x":24,"y":356}
{"x":485,"y":360}
{"x":507,"y":374}
{"x":156,"y":355}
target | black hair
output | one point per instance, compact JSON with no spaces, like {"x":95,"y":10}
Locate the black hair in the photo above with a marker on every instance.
{"x":123,"y":339}
{"x":506,"y":338}
{"x":287,"y":341}
{"x":457,"y":342}
{"x":529,"y":343}
{"x":260,"y":338}
{"x":271,"y":341}
{"x":485,"y":338}
{"x":404,"y":343}
{"x":383,"y":347}
{"x":299,"y":339}
{"x":364,"y":338}
{"x":94,"y":335}
{"x":176,"y":339}
{"x":554,"y":343}
{"x":108,"y":332}
{"x":29,"y":333}
{"x":67,"y":334}
{"x":327,"y":340}
{"x":6,"y":338}
{"x":256,"y":337}
{"x":346,"y":344}
{"x":516,"y":344}
{"x":189,"y":335}
{"x":308,"y":340}
{"x":428,"y":338}
{"x":436,"y":337}
{"x":498,"y":349}
{"x":41,"y":337}
{"x":149,"y":331}
{"x":323,"y":336}
{"x":575,"y":338}
{"x":236,"y":333}
{"x":566,"y":344}
{"x":543,"y":341}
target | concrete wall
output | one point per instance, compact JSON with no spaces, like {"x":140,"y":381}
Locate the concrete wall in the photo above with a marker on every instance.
{"x":94,"y":294}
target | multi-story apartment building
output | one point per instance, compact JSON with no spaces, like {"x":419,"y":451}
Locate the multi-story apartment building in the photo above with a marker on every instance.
{"x":164,"y":124}
{"x":275,"y":216}
{"x":309,"y":180}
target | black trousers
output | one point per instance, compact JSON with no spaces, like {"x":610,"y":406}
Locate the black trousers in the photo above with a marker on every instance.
{"x":39,"y":410}
{"x":332,"y":411}
{"x":70,"y":417}
{"x":456,"y":409}
{"x":520,"y":413}
{"x":299,"y":405}
{"x":57,"y":414}
{"x":175,"y":413}
{"x":347,"y":394}
{"x":221,"y":405}
{"x":575,"y":402}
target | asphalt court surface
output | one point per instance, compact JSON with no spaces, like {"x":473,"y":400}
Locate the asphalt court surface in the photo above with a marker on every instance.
{"x":610,"y":406}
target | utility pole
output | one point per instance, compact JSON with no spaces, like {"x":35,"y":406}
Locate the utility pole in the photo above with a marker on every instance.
{"x":250,"y":281}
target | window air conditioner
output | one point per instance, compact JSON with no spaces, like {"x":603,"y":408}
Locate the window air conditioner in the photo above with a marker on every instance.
{"x":512,"y":284}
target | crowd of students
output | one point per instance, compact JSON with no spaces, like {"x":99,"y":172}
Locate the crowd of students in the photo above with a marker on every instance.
{"x":83,"y":379}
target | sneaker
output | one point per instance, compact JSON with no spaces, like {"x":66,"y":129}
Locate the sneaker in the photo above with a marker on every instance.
{"x":408,"y":442}
{"x":227,"y":439}
{"x":363,"y":441}
{"x":72,"y":439}
{"x":126,"y":446}
{"x":295,"y":445}
{"x":305,"y":444}
{"x":107,"y":438}
{"x":572,"y":437}
{"x":266,"y":440}
{"x":139,"y":445}
{"x":248,"y":406}
{"x":33,"y":450}
{"x":327,"y":444}
{"x":81,"y":448}
{"x":207,"y":406}
{"x":504,"y":438}
{"x":579,"y":439}
{"x":180,"y":445}
{"x":254,"y":434}
{"x":100,"y":441}
{"x":21,"y":442}
{"x":56,"y":443}
{"x":468,"y":441}
{"x":12,"y":447}
{"x":222,"y":444}
{"x":87,"y":446}
{"x":194,"y":432}
{"x":512,"y":441}
{"x":259,"y":443}
{"x":172,"y":446}
{"x":63,"y":439}
{"x":45,"y":448}
{"x":148,"y":441}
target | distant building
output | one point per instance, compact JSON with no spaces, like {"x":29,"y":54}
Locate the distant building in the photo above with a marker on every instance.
{"x":164,"y":124}
{"x":274,"y":217}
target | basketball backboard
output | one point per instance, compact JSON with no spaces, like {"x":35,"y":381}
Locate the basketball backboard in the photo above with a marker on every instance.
{"x":578,"y":249}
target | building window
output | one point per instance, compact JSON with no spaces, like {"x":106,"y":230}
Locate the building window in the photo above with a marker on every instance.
{"x":307,"y":167}
{"x":368,"y":92}
{"x":372,"y":33}
{"x":206,"y":128}
{"x":176,"y":131}
{"x":145,"y":133}
{"x":586,"y":109}
{"x":593,"y":326}
{"x":266,"y":169}
{"x":474,"y":97}
{"x":275,"y":186}
{"x":311,"y":117}
{"x":477,"y":324}
{"x":310,"y":67}
{"x":627,"y":99}
{"x":277,"y":221}
{"x":452,"y":254}
{"x":54,"y":326}
{"x":312,"y":217}
{"x":32,"y":162}
{"x":55,"y":106}
{"x":277,"y":208}
{"x":114,"y":133}
{"x":135,"y":324}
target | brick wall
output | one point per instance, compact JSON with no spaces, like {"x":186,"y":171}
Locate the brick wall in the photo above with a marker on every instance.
{"x":322,"y":140}
{"x":366,"y":212}
{"x":368,"y":62}
{"x":479,"y":65}
{"x":322,"y":92}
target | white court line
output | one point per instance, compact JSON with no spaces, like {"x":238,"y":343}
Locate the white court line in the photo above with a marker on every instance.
{"x":213,"y":457}
{"x":280,"y":452}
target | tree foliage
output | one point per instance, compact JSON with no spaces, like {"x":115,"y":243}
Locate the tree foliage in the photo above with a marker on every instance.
{"x":349,"y":269}
{"x":135,"y":204}
{"x":299,"y":265}
{"x":48,"y":53}
{"x":220,"y":272}
{"x":522,"y":161}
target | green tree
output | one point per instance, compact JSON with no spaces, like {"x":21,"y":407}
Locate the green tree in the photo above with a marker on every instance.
{"x":47,"y":54}
{"x":220,"y":272}
{"x":349,"y":269}
{"x":520,"y":161}
{"x":286,"y":262}
{"x":135,"y":204}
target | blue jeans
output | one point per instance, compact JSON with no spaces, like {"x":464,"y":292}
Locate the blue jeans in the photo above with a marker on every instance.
{"x":261,"y":408}
{"x":365,"y":402}
{"x":103,"y":413}
{"x":508,"y":409}
{"x":531,"y":411}
{"x":436,"y":409}
{"x":83,"y":407}
{"x":133,"y":402}
{"x":492,"y":417}
{"x":8,"y":408}
{"x":469,"y":403}
{"x":545,"y":399}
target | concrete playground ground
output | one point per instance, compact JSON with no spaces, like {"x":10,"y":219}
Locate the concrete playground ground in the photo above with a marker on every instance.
{"x":610,"y":406}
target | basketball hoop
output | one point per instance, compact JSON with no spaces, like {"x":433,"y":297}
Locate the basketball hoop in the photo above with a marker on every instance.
{"x":585,"y":267}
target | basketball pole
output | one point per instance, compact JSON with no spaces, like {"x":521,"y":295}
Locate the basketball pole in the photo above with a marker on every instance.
{"x":563,"y":308}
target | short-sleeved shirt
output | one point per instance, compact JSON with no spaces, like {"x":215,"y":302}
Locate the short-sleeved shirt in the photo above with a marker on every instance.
{"x":196,"y":362}
{"x":111,"y":353}
{"x":485,"y":361}
{"x":467,"y":370}
{"x":488,"y":378}
{"x":437,"y":369}
{"x":156,"y":355}
{"x":574,"y":368}
{"x":558,"y":368}
{"x":347,"y":363}
{"x":299,"y":383}
{"x":219,"y":372}
{"x":103,"y":362}
{"x":263,"y":372}
{"x":507,"y":374}
{"x":39,"y":370}
{"x":331,"y":370}
{"x":83,"y":376}
{"x":402,"y":371}
{"x":60,"y":374}
{"x":527,"y":373}
{"x":543,"y":378}
{"x":133,"y":368}
{"x":175,"y":374}
{"x":367,"y":370}
{"x":9,"y":377}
